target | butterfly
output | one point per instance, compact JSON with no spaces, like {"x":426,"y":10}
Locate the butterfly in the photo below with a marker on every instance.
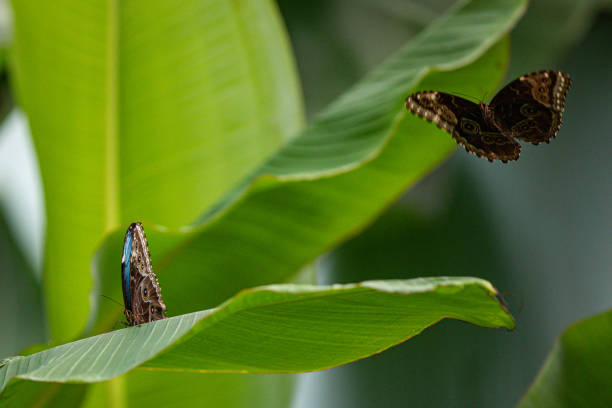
{"x":528,"y":108}
{"x":141,"y":292}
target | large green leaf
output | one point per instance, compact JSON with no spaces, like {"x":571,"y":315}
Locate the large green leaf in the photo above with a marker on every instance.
{"x":278,"y":328}
{"x":143,"y":110}
{"x":334,"y":178}
{"x":577,"y":370}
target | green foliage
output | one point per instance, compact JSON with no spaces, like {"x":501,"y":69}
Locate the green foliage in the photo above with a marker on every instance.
{"x":188,"y":117}
{"x":577,"y":370}
{"x":310,"y":195}
{"x":271,"y":329}
{"x":144,"y":111}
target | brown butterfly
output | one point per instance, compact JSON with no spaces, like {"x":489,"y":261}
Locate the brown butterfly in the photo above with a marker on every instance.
{"x":141,"y":291}
{"x":528,"y":108}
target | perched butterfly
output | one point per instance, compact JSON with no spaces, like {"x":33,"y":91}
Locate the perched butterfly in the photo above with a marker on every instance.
{"x":528,"y":108}
{"x":141,"y":292}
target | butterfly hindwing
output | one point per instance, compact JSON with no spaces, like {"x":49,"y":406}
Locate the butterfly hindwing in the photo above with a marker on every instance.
{"x":530,"y":108}
{"x":141,"y":291}
{"x":465,"y":121}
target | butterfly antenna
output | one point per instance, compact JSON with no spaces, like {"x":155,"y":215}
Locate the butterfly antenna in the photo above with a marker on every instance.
{"x":112,"y":300}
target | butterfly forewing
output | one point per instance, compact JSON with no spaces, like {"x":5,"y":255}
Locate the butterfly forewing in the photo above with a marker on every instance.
{"x":530,"y":108}
{"x":466,"y":122}
{"x":125,"y":269}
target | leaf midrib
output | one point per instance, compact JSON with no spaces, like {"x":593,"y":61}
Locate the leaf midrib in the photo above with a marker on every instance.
{"x":112,"y":119}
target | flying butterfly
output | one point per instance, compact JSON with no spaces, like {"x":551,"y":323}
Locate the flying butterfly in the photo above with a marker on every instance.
{"x":141,"y":292}
{"x":529,"y":109}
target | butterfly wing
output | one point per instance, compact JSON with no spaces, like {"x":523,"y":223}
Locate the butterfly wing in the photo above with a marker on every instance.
{"x":148,"y":305}
{"x":530,"y":107}
{"x":146,"y":302}
{"x":465,"y":121}
{"x":125,"y":268}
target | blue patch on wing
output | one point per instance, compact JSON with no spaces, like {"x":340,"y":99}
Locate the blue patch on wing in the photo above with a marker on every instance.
{"x":125,"y":268}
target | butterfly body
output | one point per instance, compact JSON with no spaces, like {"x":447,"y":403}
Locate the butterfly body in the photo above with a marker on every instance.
{"x":529,"y":109}
{"x":141,"y":291}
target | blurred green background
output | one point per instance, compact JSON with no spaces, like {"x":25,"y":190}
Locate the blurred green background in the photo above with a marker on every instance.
{"x":539,"y":229}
